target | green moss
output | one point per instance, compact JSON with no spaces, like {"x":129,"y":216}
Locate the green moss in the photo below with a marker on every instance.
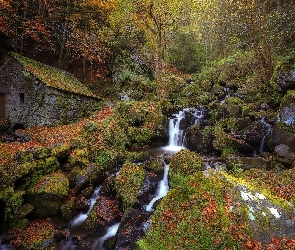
{"x":136,"y":156}
{"x":68,"y":209}
{"x":20,"y":224}
{"x":41,"y":153}
{"x":39,"y":235}
{"x":128,"y":183}
{"x":53,"y":77}
{"x":288,"y":98}
{"x":62,"y":150}
{"x":183,"y":164}
{"x":192,"y":216}
{"x":79,"y":157}
{"x":155,"y":165}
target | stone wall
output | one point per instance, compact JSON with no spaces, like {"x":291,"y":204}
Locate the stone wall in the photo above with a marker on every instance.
{"x":31,"y":103}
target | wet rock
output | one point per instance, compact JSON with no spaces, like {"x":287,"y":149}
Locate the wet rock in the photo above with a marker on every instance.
{"x":287,"y":115}
{"x":283,"y":155}
{"x":16,"y":137}
{"x":104,"y":213}
{"x":155,"y":165}
{"x":233,"y":110}
{"x":85,"y":176}
{"x":279,"y":136}
{"x":108,"y":188}
{"x":82,"y":203}
{"x":247,"y":163}
{"x":254,"y":133}
{"x":148,"y":189}
{"x":133,"y":226}
{"x":199,"y":139}
{"x":47,"y":194}
{"x":286,"y":75}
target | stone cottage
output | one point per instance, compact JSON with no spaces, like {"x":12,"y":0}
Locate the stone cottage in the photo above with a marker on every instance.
{"x":34,"y":94}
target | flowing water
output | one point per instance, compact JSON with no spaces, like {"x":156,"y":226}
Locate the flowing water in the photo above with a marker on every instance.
{"x":162,"y":190}
{"x":176,"y":143}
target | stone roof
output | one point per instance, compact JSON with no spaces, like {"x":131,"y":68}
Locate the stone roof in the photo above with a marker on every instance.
{"x":54,"y":77}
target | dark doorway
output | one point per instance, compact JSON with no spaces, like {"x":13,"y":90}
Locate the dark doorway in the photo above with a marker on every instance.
{"x":2,"y":105}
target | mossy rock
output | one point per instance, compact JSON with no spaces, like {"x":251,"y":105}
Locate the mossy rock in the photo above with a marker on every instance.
{"x":128,"y":183}
{"x":88,"y":175}
{"x":68,"y":209}
{"x":22,"y":224}
{"x":39,"y":235}
{"x":13,"y":205}
{"x":104,"y":213}
{"x":79,"y":157}
{"x":183,"y":164}
{"x":47,"y":194}
{"x":156,"y":165}
{"x":136,"y":157}
{"x":61,"y":150}
{"x":41,"y":153}
{"x":23,"y":157}
{"x":220,"y":211}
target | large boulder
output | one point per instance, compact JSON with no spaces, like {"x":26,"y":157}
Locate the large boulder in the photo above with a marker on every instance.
{"x":278,"y":136}
{"x":221,"y":212}
{"x":199,"y":139}
{"x":104,"y":213}
{"x":132,"y":227}
{"x":47,"y":194}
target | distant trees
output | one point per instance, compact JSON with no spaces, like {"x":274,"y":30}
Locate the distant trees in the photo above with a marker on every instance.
{"x":185,"y":34}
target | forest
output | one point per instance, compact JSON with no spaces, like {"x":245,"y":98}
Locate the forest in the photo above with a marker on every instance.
{"x":164,"y":124}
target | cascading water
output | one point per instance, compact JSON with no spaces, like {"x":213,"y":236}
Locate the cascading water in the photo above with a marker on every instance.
{"x":83,"y":216}
{"x":162,"y":190}
{"x":112,"y":230}
{"x":262,"y":143}
{"x":175,"y":134}
{"x":177,"y":139}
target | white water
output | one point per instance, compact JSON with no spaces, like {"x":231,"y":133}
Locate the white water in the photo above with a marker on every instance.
{"x":262,"y":143}
{"x":177,"y":139}
{"x":112,"y":230}
{"x":162,"y":190}
{"x":175,"y":134}
{"x":83,"y":216}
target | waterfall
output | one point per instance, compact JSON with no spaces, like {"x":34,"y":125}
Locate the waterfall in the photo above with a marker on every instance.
{"x":268,"y":128}
{"x":162,"y":190}
{"x":112,"y":230}
{"x":83,"y":216}
{"x":177,"y":138}
{"x":175,"y":134}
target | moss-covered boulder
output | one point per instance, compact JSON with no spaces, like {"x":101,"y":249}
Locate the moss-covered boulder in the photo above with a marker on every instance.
{"x":61,"y":150}
{"x":39,"y":235}
{"x":128,"y":183}
{"x":41,"y":152}
{"x":79,"y":157}
{"x":183,"y":164}
{"x":132,"y":227}
{"x":278,"y":135}
{"x":199,"y":138}
{"x":47,"y":194}
{"x":83,"y":177}
{"x":284,"y":72}
{"x":68,"y":209}
{"x":156,"y":165}
{"x":104,"y":213}
{"x":223,"y":139}
{"x":213,"y":210}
